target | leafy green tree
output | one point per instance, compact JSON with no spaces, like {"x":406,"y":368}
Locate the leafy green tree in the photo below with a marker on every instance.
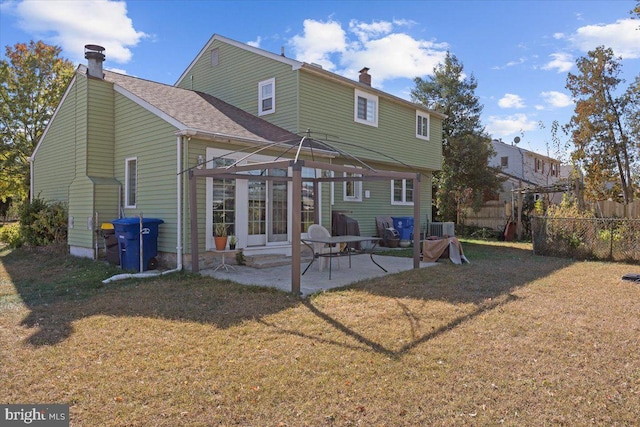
{"x":466,"y":149}
{"x":450,"y":92}
{"x":33,"y":79}
{"x":602,"y":127}
{"x":466,"y":177}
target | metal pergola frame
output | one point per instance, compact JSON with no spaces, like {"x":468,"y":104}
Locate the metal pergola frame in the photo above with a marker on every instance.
{"x":237,"y":171}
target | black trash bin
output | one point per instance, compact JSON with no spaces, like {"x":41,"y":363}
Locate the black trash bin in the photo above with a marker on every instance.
{"x":127,"y":232}
{"x":111,"y":251}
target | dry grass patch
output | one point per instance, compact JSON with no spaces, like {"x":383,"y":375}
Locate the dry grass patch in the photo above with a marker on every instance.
{"x":510,"y":339}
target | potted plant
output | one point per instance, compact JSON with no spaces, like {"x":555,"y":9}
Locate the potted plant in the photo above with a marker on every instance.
{"x":232,"y":242}
{"x":220,"y":235}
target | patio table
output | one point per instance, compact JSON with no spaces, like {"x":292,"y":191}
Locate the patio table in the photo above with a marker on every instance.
{"x":335,"y":241}
{"x":224,"y":253}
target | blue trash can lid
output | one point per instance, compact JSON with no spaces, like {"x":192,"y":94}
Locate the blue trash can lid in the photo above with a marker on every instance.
{"x":134,"y":220}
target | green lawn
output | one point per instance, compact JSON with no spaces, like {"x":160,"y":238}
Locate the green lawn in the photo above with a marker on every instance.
{"x":510,"y":339}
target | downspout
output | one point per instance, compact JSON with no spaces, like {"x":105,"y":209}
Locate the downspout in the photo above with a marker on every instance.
{"x":179,"y":175}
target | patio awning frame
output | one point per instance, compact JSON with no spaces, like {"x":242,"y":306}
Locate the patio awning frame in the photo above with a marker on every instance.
{"x":236,"y":171}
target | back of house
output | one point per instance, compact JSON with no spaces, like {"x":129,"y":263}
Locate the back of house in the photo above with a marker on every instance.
{"x":123,"y":146}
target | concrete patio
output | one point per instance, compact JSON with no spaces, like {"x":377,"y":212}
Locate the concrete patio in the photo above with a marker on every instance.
{"x":314,"y":280}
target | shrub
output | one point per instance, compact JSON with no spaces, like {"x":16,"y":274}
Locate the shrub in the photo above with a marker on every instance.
{"x":42,"y":223}
{"x":10,"y":234}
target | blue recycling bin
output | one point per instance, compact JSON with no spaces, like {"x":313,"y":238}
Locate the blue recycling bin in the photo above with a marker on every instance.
{"x":404,"y":225}
{"x":127,"y":231}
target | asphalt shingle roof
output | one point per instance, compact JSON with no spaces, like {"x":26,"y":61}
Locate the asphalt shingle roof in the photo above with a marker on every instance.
{"x":202,"y":112}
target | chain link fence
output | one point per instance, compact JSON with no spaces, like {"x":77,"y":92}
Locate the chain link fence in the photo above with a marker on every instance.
{"x":608,"y":239}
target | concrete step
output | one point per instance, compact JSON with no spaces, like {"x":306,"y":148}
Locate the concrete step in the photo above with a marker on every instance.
{"x":269,"y":260}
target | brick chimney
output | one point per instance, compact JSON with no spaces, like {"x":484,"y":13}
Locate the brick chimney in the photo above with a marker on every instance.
{"x":365,"y":77}
{"x":95,"y":57}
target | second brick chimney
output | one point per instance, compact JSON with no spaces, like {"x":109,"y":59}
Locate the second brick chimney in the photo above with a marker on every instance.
{"x":365,"y":77}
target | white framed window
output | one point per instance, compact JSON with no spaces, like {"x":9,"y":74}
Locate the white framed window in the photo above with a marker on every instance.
{"x":402,"y":192}
{"x":352,"y":189}
{"x":504,"y":161}
{"x":130,"y":182}
{"x":267,"y":97}
{"x":423,"y":122}
{"x":365,"y":108}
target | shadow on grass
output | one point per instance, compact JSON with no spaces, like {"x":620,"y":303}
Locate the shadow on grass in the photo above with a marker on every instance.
{"x":59,"y":289}
{"x":488,"y":283}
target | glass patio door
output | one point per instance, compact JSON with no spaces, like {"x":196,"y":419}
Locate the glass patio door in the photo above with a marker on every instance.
{"x":277,"y":218}
{"x":267,"y":205}
{"x":257,"y":213}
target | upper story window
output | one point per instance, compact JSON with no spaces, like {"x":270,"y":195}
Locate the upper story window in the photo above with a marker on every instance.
{"x":402,"y":192}
{"x":422,"y":125}
{"x":266,"y":97}
{"x":539,"y":165}
{"x":130,"y":182}
{"x":352,"y":189}
{"x":504,"y":162}
{"x":554,"y":169}
{"x":365,"y":108}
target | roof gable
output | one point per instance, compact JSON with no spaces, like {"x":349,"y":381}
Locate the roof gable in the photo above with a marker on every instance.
{"x":216,"y":37}
{"x":312,"y":69}
{"x":200,"y":112}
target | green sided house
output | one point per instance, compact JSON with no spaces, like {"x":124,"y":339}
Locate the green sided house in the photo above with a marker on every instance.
{"x":226,"y":143}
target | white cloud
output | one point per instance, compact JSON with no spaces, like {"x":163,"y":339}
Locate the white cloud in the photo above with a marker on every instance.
{"x":556,"y":99}
{"x":256,"y":42}
{"x":375,"y":45}
{"x":365,"y":31}
{"x":622,"y":36}
{"x":320,"y":39}
{"x":562,"y":62}
{"x":503,"y":126}
{"x":394,"y":56}
{"x":510,"y":100}
{"x":72,"y":24}
{"x":117,"y":70}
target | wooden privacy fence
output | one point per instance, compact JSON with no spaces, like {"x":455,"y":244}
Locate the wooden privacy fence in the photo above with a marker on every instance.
{"x":611,"y":209}
{"x":492,"y":214}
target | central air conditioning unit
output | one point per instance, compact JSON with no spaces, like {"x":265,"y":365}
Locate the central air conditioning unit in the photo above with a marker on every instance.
{"x":441,"y":229}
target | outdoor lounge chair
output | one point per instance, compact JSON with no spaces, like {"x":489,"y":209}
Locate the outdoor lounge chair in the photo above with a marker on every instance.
{"x":321,"y":250}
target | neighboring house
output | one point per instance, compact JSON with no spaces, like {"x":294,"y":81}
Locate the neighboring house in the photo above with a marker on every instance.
{"x":524,"y":169}
{"x":524,"y":172}
{"x":123,"y":146}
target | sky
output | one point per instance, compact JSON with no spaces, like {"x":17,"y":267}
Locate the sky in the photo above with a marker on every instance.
{"x":519,"y":52}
